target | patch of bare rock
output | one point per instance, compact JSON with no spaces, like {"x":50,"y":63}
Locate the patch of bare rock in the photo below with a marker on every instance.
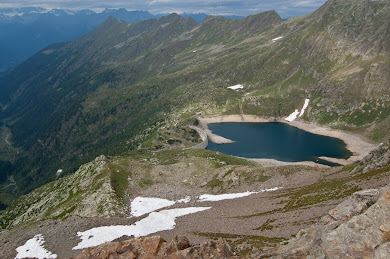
{"x":155,"y":247}
{"x":377,"y":158}
{"x":359,"y":227}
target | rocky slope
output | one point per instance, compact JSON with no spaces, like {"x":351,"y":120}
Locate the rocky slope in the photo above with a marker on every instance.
{"x":105,"y":186}
{"x":84,"y":193}
{"x":378,"y":158}
{"x":99,"y":195}
{"x":356,"y":228}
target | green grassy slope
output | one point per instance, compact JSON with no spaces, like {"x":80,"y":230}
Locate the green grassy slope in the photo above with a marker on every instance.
{"x":111,"y":90}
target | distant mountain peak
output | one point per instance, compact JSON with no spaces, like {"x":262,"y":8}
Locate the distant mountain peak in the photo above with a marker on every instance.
{"x":264,"y":16}
{"x":110,"y":20}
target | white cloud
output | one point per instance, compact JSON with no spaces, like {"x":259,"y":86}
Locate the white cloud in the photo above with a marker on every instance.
{"x":307,"y":3}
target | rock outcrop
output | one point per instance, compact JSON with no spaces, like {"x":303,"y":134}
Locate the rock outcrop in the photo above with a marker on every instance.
{"x":80,"y":194}
{"x":357,"y":228}
{"x":156,"y":247}
{"x":377,"y":158}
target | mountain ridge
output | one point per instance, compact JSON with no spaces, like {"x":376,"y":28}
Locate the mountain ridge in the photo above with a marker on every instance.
{"x":41,"y":27}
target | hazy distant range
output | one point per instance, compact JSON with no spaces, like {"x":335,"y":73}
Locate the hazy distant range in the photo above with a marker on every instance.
{"x":25,"y":31}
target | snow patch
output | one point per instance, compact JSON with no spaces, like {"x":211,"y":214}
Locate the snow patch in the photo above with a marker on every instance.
{"x":278,"y":38}
{"x":155,"y":222}
{"x":270,"y":189}
{"x":235,"y":87}
{"x":220,"y":197}
{"x":304,"y":107}
{"x":229,"y":196}
{"x":141,"y":205}
{"x":13,"y":14}
{"x":292,"y":116}
{"x":69,"y":12}
{"x":296,"y":113}
{"x":33,"y":248}
{"x":185,"y":200}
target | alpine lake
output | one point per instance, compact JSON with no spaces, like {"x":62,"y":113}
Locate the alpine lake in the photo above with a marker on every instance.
{"x":276,"y":140}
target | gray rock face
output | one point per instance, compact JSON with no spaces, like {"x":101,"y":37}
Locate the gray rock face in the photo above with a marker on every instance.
{"x":358,"y":203}
{"x":357,"y":228}
{"x":377,"y":158}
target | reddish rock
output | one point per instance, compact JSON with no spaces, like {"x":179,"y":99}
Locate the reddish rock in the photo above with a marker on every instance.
{"x":156,"y":248}
{"x":124,"y":249}
{"x":151,"y":245}
{"x":177,"y":244}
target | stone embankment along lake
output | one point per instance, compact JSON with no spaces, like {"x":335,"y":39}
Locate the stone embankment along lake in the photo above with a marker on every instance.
{"x":203,"y":135}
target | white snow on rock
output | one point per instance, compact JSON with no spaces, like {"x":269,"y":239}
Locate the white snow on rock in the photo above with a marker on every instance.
{"x":270,"y":189}
{"x":229,"y":196}
{"x":13,"y":14}
{"x":304,"y":107}
{"x":141,"y":205}
{"x":187,"y":199}
{"x":33,"y":248}
{"x":292,"y":116}
{"x":155,"y":222}
{"x":69,"y":12}
{"x":236,"y":87}
{"x":278,"y":38}
{"x":296,"y":113}
{"x":59,"y":172}
{"x":220,"y":197}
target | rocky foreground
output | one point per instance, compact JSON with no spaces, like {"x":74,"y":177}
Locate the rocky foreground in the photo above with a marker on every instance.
{"x":156,"y":247}
{"x":359,"y":227}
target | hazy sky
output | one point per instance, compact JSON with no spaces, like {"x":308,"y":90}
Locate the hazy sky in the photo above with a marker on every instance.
{"x":285,"y":8}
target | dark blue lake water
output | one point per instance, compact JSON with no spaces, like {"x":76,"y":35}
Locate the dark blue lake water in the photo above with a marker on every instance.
{"x":276,"y":140}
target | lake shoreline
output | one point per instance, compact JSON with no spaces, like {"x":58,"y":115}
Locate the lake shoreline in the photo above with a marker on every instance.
{"x":356,"y":145}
